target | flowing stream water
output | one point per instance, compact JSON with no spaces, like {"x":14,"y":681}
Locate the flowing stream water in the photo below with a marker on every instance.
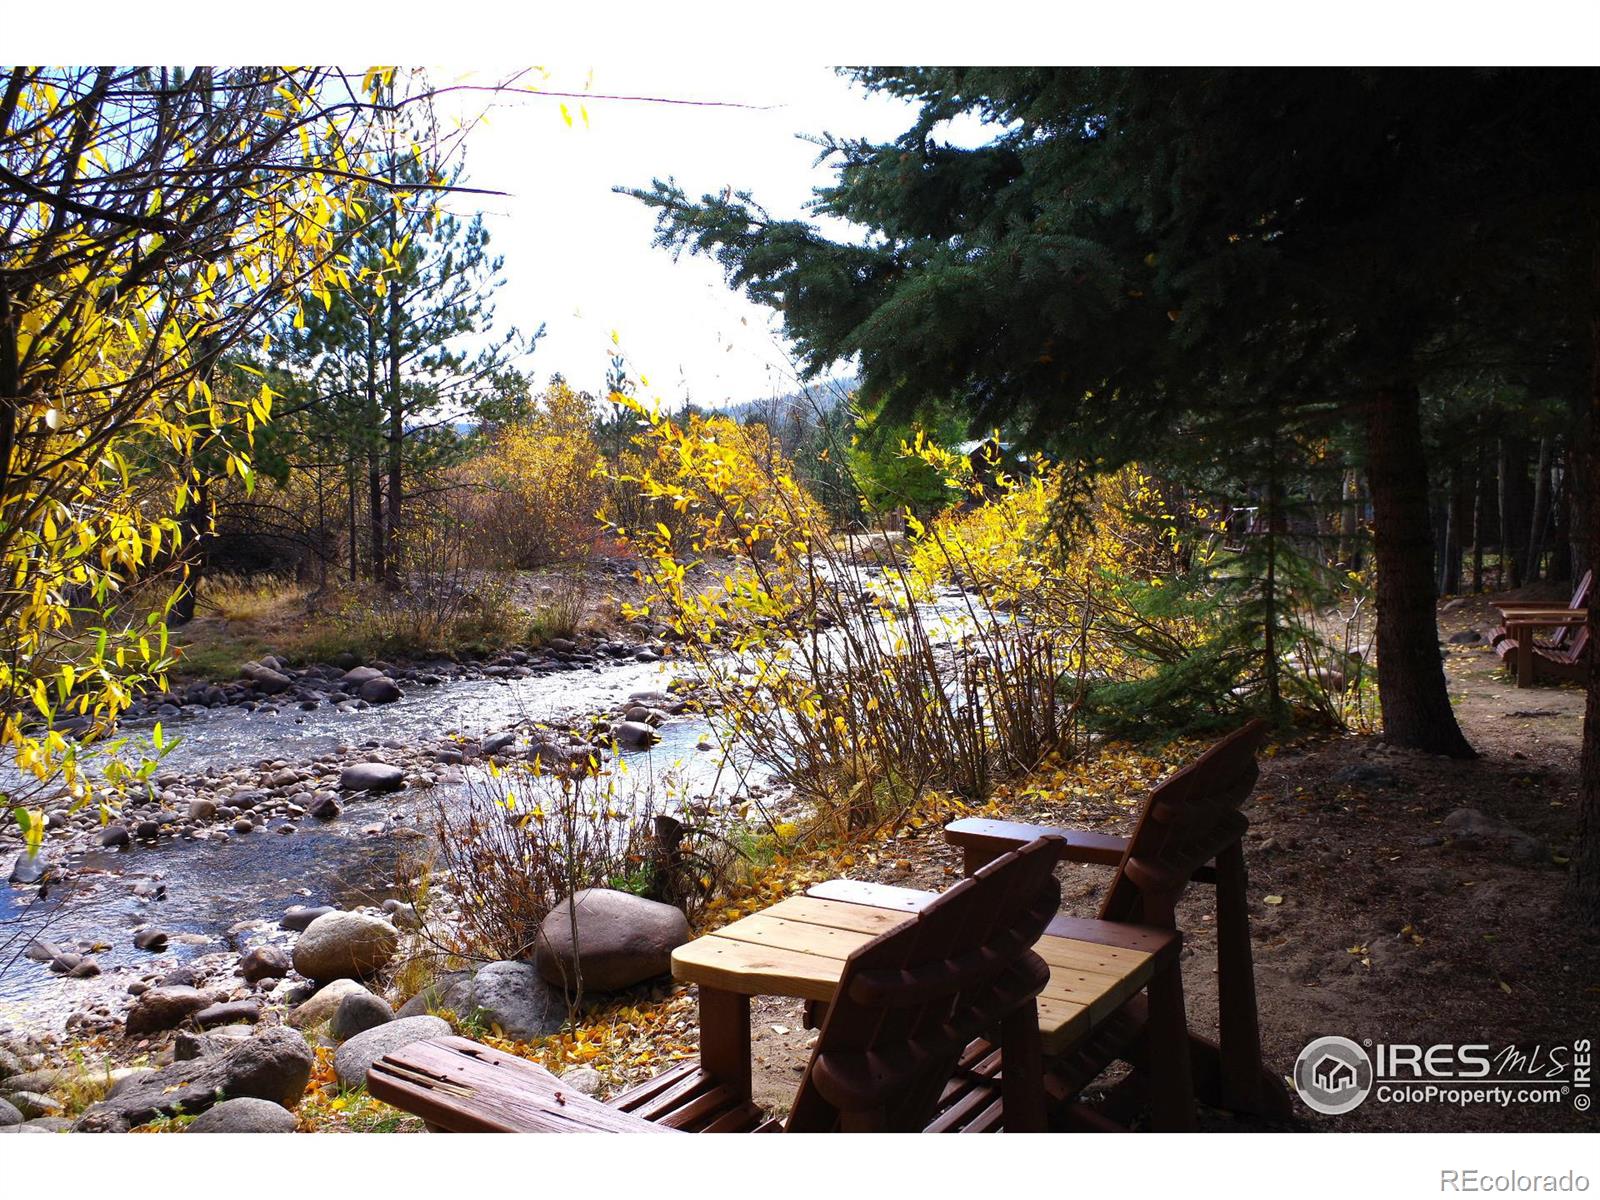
{"x":209,"y":889}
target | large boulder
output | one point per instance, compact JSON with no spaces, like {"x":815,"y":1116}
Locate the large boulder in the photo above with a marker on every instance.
{"x":324,"y":1003}
{"x":164,"y":1008}
{"x":273,"y":1065}
{"x":371,"y":777}
{"x":360,"y":675}
{"x":511,"y":995}
{"x":10,"y":1114}
{"x":356,"y":1056}
{"x":270,"y":682}
{"x":623,"y":939}
{"x":345,"y":945}
{"x":244,"y":1115}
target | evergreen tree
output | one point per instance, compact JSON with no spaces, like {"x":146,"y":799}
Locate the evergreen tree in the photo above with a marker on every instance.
{"x":1155,"y":263}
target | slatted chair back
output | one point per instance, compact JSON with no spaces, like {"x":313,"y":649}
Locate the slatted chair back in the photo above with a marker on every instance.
{"x":1567,"y":636}
{"x":1579,"y":642}
{"x":912,"y":999}
{"x":1186,"y":822}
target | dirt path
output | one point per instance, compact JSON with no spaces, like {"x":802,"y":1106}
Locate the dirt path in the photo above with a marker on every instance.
{"x":1391,"y":926}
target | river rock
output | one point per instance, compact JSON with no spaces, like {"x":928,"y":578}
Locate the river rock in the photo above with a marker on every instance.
{"x":353,"y":1059}
{"x":188,"y":1045}
{"x":153,"y":940}
{"x":231,"y":1013}
{"x":514,"y":997}
{"x":324,"y":806}
{"x":34,"y":1104}
{"x":202,"y":810}
{"x":273,"y":1065}
{"x":164,"y":1008}
{"x":323,"y":1003}
{"x":125,"y":1079}
{"x":10,"y":1114}
{"x":634,"y":733}
{"x":382,"y":690}
{"x":270,"y":682}
{"x":10,"y":1064}
{"x":450,"y":992}
{"x":299,"y":916}
{"x":496,"y":742}
{"x":264,"y":962}
{"x":245,"y":1115}
{"x":371,"y":777}
{"x":341,"y":945}
{"x":115,"y":836}
{"x":360,"y":675}
{"x":623,"y":939}
{"x":357,"y":1013}
{"x":29,"y":868}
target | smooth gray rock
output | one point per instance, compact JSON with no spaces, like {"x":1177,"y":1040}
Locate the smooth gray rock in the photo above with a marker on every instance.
{"x":29,"y":868}
{"x":359,"y":675}
{"x":514,"y":997}
{"x":355,"y":1057}
{"x":371,"y":777}
{"x":382,"y":690}
{"x":634,"y":733}
{"x":273,"y":1065}
{"x":114,"y":836}
{"x":451,"y":992}
{"x":34,"y":1104}
{"x":623,"y":939}
{"x":357,"y":1013}
{"x":153,"y":940}
{"x":323,"y":1003}
{"x":188,"y":1046}
{"x":343,"y":945}
{"x":497,"y":742}
{"x":231,"y":1013}
{"x":130,"y":1080}
{"x":10,"y":1114}
{"x":164,"y":1008}
{"x":299,"y":916}
{"x":264,"y":962}
{"x":270,"y":682}
{"x":244,"y":1115}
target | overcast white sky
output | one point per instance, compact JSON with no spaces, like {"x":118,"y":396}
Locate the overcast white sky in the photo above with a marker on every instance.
{"x":578,"y":256}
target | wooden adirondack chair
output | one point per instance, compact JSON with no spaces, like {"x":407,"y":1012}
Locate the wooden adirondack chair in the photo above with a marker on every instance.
{"x":895,"y":1053}
{"x":1531,"y":660}
{"x":1191,"y":829}
{"x":1564,"y":634}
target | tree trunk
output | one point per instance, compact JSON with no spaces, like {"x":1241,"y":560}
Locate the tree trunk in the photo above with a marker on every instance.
{"x":1455,"y":531}
{"x":397,"y":429}
{"x":1411,"y":683}
{"x":375,"y":535}
{"x":1477,"y":521}
{"x":1541,"y":513}
{"x":1584,"y":881}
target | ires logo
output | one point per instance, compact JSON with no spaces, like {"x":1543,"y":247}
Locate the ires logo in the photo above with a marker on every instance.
{"x":1333,"y":1075}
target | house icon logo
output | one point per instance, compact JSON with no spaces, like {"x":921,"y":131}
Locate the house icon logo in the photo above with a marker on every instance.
{"x":1333,"y":1075}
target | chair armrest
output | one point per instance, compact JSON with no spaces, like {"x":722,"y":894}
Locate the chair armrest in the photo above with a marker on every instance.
{"x":983,"y":841}
{"x":1544,"y":616}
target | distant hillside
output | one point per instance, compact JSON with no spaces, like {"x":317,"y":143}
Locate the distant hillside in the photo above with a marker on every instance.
{"x":819,"y":398}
